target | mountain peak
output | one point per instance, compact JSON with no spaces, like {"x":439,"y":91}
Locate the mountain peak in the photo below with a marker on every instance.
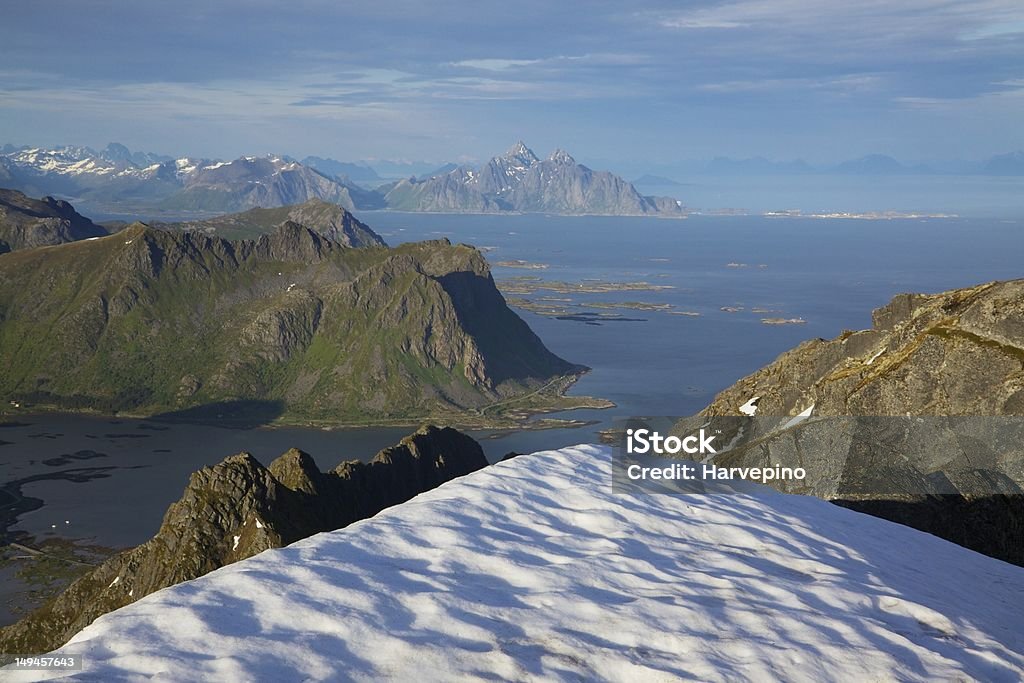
{"x":521,"y":151}
{"x":115,"y":151}
{"x":560,"y":156}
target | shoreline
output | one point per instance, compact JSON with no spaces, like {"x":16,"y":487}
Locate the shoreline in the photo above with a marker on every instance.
{"x":518,"y":419}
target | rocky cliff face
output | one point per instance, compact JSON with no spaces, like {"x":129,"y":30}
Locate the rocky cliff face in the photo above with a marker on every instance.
{"x":519,"y":181}
{"x":239,"y":508}
{"x":560,"y":185}
{"x":26,"y":222}
{"x":919,"y":419}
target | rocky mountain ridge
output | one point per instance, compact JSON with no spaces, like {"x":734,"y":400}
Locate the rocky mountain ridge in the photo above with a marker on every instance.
{"x":239,"y":508}
{"x":26,"y":222}
{"x":290,"y":326}
{"x":330,"y":220}
{"x":953,"y":353}
{"x":121,"y":181}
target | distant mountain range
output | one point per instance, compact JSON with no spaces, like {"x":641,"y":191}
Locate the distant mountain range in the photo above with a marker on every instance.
{"x":1006,"y":164}
{"x":519,"y":181}
{"x":117,"y":180}
{"x":343,"y":170}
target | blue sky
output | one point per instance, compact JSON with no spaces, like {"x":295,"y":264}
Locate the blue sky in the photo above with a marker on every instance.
{"x":823,"y":80}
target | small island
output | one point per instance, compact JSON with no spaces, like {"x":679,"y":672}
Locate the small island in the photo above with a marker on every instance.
{"x":519,"y":263}
{"x":783,"y":321}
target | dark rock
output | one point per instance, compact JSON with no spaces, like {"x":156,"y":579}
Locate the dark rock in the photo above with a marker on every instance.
{"x":26,"y":223}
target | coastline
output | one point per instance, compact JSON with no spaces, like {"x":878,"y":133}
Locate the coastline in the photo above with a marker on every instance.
{"x":550,"y":398}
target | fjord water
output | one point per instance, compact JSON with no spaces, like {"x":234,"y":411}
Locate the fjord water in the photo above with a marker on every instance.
{"x":831,"y":273}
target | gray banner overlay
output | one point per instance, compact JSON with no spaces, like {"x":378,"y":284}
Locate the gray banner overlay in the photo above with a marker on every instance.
{"x":848,"y":457}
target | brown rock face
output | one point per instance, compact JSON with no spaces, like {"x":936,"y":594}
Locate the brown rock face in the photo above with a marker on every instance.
{"x":239,"y":508}
{"x":956,"y":353}
{"x":919,"y":419}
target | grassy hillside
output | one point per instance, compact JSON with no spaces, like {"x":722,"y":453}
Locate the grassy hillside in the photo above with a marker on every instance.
{"x":290,"y":327}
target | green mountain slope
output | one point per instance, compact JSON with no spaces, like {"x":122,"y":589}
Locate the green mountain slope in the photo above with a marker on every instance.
{"x":291,"y":326}
{"x":330,"y":220}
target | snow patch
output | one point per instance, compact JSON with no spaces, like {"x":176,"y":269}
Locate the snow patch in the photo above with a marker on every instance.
{"x":534,"y":569}
{"x":117,"y":580}
{"x":803,"y":415}
{"x":875,"y":357}
{"x":750,"y":407}
{"x":235,"y":545}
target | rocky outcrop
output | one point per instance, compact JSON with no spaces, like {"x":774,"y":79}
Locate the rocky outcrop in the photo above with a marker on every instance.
{"x":919,"y":419}
{"x":335,"y":223}
{"x":955,"y":353}
{"x":519,"y":181}
{"x":26,"y":223}
{"x":239,"y":508}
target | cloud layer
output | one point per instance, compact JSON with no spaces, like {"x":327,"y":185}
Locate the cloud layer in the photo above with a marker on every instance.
{"x":820,"y":79}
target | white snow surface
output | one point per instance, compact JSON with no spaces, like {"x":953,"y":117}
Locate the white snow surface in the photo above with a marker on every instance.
{"x":534,"y":569}
{"x":803,"y":415}
{"x":750,"y":407}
